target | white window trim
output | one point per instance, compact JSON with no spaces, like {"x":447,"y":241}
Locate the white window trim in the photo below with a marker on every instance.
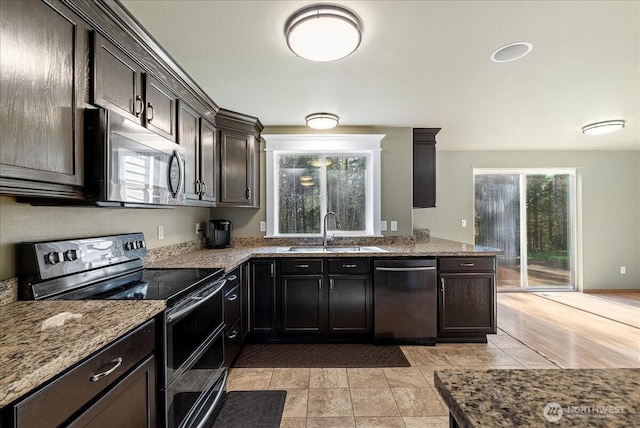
{"x":575,"y":206}
{"x":367,"y":144}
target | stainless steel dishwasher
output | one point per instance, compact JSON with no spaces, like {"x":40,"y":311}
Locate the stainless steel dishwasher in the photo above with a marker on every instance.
{"x":405,"y":301}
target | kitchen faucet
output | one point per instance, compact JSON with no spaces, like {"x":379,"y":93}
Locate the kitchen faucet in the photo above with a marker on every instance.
{"x":325,"y":220}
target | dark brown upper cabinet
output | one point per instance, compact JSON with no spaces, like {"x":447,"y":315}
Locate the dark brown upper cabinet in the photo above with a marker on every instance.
{"x":121,"y":85}
{"x":44,"y":63}
{"x":189,"y":138}
{"x":239,"y":160}
{"x":208,"y":161}
{"x":424,"y":167}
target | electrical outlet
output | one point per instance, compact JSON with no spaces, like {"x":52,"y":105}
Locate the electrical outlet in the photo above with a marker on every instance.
{"x":394,"y":226}
{"x":263,"y":226}
{"x":160,"y":232}
{"x":463,"y":223}
{"x":383,"y":225}
{"x":623,"y":270}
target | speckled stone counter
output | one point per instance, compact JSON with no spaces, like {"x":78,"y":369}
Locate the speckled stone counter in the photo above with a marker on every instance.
{"x":228,"y":258}
{"x":39,"y":340}
{"x":540,"y":398}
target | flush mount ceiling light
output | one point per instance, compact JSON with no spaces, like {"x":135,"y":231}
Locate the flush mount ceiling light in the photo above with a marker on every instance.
{"x":323,"y":33}
{"x":511,"y":52}
{"x":321,"y":120}
{"x":605,"y":127}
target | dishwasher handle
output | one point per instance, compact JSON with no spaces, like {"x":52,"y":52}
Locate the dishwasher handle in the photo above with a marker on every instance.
{"x":405,"y":269}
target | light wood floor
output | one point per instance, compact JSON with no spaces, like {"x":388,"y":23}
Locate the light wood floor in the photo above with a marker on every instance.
{"x":568,"y":336}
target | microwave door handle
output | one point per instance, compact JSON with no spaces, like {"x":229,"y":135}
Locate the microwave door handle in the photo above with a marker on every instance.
{"x":180,"y":173}
{"x":177,"y":315}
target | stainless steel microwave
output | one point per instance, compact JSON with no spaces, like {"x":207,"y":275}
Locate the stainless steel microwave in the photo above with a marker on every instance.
{"x":128,"y":165}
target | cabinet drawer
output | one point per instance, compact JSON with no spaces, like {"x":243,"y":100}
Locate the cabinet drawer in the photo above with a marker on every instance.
{"x":233,"y":279}
{"x":232,"y":306}
{"x":301,"y":266}
{"x":46,"y":408}
{"x":350,"y":266}
{"x":467,"y":264}
{"x":232,"y":343}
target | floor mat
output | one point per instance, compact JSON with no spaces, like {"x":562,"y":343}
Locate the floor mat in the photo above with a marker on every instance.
{"x":348,"y":355}
{"x":251,"y":409}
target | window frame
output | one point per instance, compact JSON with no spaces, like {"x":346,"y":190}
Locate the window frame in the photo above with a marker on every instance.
{"x":327,"y":145}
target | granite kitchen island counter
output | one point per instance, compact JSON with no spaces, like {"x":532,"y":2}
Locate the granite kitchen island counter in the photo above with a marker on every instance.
{"x":41,"y":339}
{"x":541,"y":398}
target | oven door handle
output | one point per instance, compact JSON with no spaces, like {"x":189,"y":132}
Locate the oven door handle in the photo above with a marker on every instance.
{"x":199,"y":300}
{"x":219,"y":395}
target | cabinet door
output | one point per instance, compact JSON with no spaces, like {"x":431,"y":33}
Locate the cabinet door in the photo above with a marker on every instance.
{"x":302,"y":303}
{"x":208,"y":161}
{"x":424,"y":167}
{"x":262,"y":291}
{"x":350,"y":304}
{"x":44,"y":62}
{"x":236,"y":161}
{"x":160,"y":109}
{"x":131,"y":403}
{"x":244,"y":303}
{"x":117,"y":80}
{"x":467,"y":303}
{"x":189,"y":138}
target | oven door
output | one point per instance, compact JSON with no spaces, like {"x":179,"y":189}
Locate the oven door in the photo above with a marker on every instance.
{"x":190,"y":325}
{"x":194,"y":398}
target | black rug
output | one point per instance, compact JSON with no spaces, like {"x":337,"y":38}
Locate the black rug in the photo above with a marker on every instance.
{"x":251,"y":409}
{"x":347,"y":355}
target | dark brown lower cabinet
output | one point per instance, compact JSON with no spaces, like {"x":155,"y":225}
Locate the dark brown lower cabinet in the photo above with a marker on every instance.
{"x":302,"y":303}
{"x":350,"y":304}
{"x":116,"y":387}
{"x":131,"y":403}
{"x":262,"y":297}
{"x":467,"y":298}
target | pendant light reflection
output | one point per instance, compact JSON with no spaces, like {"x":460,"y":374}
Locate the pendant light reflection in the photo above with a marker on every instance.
{"x":317,"y":163}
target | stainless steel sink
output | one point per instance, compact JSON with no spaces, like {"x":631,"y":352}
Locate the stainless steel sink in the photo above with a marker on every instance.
{"x":329,"y":249}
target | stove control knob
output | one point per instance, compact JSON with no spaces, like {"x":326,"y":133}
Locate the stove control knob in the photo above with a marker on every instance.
{"x":53,"y":258}
{"x":128,"y":246}
{"x":71,"y":255}
{"x":141,"y":244}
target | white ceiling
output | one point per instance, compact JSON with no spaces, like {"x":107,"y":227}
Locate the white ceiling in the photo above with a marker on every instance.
{"x":423,"y":64}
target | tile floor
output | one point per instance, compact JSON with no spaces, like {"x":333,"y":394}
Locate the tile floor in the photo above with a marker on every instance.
{"x":383,"y":397}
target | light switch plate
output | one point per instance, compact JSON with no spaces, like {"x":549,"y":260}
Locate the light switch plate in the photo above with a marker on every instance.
{"x":160,"y":232}
{"x":394,"y":226}
{"x":383,"y":225}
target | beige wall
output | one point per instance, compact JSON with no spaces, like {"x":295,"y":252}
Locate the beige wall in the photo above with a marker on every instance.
{"x":396,"y":181}
{"x":23,"y":222}
{"x":610,"y":205}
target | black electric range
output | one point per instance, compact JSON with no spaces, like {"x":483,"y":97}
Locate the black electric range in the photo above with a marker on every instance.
{"x":192,"y":377}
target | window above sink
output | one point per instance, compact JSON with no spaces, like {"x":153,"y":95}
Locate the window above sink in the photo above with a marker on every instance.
{"x":309,"y":175}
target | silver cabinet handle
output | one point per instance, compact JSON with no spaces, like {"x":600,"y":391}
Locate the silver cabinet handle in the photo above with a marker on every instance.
{"x":331,"y":284}
{"x":150,"y":112}
{"x":206,"y":188}
{"x":198,"y":187}
{"x":319,"y":286}
{"x":405,"y":269}
{"x":442,"y":284}
{"x":233,"y":297}
{"x":272,"y":269}
{"x":301,"y":266}
{"x":139,"y":106}
{"x":248,"y":193}
{"x":116,"y":363}
{"x":467,"y":264}
{"x":232,"y":335}
{"x":349,"y":266}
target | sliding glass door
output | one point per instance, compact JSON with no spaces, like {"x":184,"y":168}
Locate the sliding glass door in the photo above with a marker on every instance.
{"x":530,"y":214}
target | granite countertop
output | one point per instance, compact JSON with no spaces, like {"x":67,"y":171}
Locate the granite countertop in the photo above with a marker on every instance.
{"x":229,"y":258}
{"x":40,"y":339}
{"x":540,"y":398}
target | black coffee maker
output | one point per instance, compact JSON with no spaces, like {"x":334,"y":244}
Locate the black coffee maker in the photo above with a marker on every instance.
{"x":218,"y":234}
